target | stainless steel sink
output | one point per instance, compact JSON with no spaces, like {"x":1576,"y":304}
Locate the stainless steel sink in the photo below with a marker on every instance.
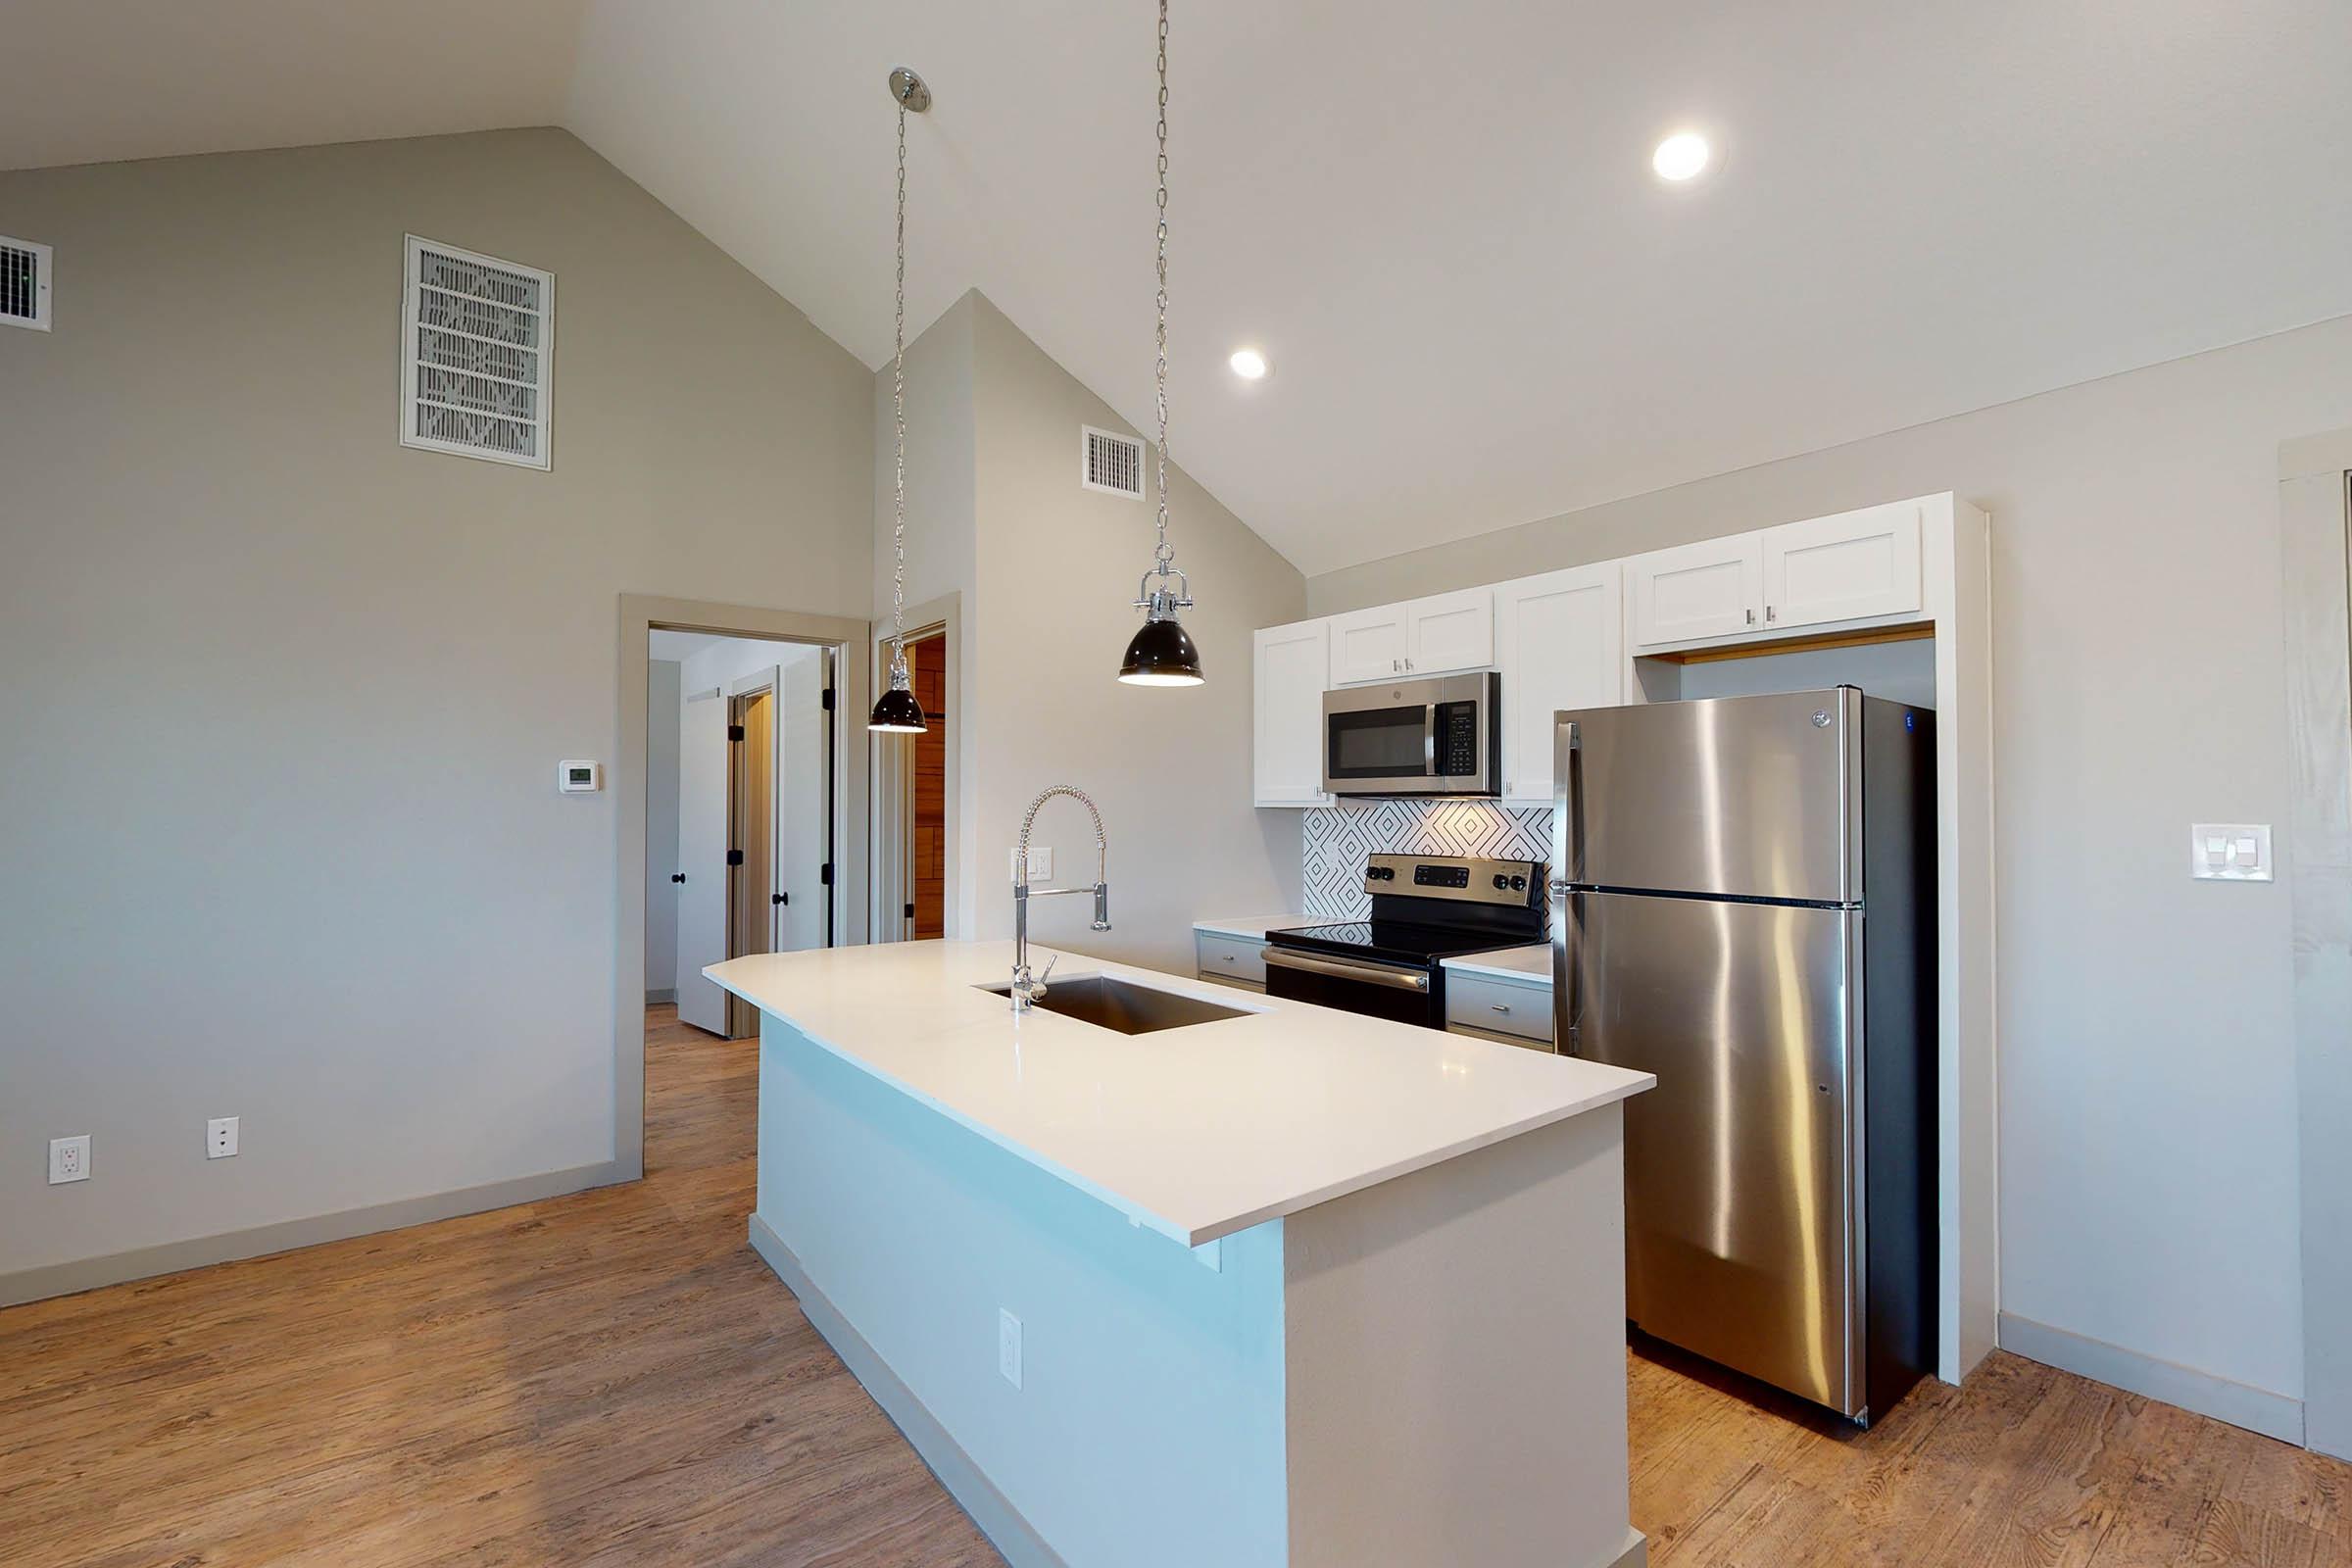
{"x":1123,"y":1006}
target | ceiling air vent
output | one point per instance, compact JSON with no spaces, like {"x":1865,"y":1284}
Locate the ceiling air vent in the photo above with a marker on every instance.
{"x":1110,"y":463}
{"x":476,"y":337}
{"x":23,"y":283}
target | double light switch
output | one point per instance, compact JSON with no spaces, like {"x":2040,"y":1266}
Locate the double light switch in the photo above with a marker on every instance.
{"x":2229,"y":851}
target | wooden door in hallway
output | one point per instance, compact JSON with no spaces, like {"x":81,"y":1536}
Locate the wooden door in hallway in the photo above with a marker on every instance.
{"x":927,"y":817}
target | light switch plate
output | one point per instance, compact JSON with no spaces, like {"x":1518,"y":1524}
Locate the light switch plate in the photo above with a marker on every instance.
{"x":1008,"y":1347}
{"x":2229,"y":851}
{"x":1041,"y":862}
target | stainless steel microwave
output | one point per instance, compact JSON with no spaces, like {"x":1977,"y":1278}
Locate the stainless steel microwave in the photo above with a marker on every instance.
{"x":1439,"y":736}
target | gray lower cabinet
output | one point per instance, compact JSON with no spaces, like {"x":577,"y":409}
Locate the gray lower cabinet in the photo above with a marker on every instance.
{"x":1230,"y":960}
{"x":1517,"y":1012}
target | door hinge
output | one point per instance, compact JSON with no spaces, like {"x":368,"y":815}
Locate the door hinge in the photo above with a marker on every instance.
{"x":825,"y":873}
{"x":779,"y":898}
{"x":828,"y":699}
{"x":734,"y":732}
{"x":910,"y":911}
{"x":734,"y":856}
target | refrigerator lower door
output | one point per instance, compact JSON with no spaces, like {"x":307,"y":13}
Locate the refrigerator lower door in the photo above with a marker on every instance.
{"x":1742,"y":1227}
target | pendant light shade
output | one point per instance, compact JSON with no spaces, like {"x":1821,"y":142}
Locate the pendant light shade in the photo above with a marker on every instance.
{"x":1161,"y":652}
{"x":896,"y":711}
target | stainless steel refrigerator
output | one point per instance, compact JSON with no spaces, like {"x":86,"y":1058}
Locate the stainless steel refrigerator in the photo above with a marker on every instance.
{"x":1744,"y":907}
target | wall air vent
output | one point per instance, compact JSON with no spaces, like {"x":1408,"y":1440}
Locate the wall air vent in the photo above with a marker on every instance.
{"x":1110,"y":463}
{"x":477,"y":337}
{"x":24,"y":284}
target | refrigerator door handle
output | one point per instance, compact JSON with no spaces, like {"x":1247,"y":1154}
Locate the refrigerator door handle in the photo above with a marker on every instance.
{"x":1567,"y":822}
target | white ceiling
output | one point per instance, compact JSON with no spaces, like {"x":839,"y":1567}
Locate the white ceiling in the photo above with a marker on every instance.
{"x":1437,"y":219}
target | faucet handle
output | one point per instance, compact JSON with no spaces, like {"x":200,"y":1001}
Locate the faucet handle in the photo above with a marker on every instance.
{"x":1036,"y":987}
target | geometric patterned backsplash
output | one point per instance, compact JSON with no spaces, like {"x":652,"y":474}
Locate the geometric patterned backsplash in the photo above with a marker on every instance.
{"x":1335,"y":839}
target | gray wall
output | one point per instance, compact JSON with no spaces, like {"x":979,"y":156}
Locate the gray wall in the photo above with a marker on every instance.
{"x":1169,"y":767}
{"x":2147,"y":1092}
{"x":662,"y":691}
{"x":285,"y":700}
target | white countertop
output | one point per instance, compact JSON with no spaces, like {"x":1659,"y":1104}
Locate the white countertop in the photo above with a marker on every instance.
{"x":1254,"y":930}
{"x":1196,"y":1132}
{"x":1531,"y":962}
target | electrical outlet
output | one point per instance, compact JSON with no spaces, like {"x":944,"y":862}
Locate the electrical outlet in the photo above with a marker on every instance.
{"x":1041,"y":862}
{"x":221,"y":1138}
{"x":69,"y":1158}
{"x":1009,"y":1346}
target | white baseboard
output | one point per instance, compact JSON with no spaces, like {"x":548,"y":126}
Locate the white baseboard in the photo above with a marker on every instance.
{"x":174,"y":1258}
{"x":999,"y":1520}
{"x":2274,"y":1415}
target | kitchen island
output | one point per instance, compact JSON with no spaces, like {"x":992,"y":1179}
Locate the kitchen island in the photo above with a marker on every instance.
{"x":1281,"y":1286}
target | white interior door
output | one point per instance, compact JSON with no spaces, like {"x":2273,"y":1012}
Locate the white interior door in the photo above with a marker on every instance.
{"x":802,"y":814}
{"x":701,"y":859}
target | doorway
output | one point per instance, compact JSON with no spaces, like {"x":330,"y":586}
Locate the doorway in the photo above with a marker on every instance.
{"x":922,"y":875}
{"x":743,"y":861}
{"x":926,"y":808}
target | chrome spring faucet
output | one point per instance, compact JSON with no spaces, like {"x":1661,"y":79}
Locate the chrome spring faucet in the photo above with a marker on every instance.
{"x":1027,"y":986}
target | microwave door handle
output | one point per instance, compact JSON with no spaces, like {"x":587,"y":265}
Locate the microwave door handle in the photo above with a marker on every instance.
{"x":1428,"y":741}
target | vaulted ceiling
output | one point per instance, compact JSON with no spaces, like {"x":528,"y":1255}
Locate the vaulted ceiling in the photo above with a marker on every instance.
{"x":1438,"y":221}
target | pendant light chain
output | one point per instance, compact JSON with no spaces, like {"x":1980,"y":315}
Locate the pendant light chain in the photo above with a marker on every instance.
{"x":1163,"y":555}
{"x":898,"y":403}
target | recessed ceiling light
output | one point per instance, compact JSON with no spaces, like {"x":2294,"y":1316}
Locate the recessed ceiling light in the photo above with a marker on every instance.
{"x":1682,"y":156}
{"x":1250,"y":365}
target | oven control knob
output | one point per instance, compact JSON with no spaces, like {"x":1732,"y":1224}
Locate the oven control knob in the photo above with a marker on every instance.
{"x":1518,"y":884}
{"x":1502,"y":884}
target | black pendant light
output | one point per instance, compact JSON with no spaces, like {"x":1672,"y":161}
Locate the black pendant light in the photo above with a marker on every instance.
{"x":1162,"y":652}
{"x":896,"y":711}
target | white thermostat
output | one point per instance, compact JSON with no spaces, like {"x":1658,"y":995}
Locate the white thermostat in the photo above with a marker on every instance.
{"x":579,"y":778}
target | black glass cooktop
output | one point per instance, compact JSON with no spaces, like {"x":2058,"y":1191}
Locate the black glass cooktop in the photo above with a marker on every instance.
{"x":1394,"y":941}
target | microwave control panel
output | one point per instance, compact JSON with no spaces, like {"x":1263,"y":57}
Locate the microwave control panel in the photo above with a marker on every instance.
{"x":1457,"y":739}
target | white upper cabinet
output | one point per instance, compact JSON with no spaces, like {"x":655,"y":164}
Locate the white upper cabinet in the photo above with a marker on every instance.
{"x":1853,"y":566}
{"x":1293,"y":665}
{"x":1368,"y":645}
{"x":1562,"y":646}
{"x":1711,"y":589}
{"x":1440,"y":636}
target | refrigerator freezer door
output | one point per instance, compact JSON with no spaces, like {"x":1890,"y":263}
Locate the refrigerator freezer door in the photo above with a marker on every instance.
{"x":1751,"y":796}
{"x":1741,"y":1221}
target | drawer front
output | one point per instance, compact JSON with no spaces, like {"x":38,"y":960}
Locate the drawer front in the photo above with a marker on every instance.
{"x":1230,"y":958}
{"x":1497,"y":1006}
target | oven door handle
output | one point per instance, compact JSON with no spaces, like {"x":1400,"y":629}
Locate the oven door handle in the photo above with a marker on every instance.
{"x":1348,"y":969}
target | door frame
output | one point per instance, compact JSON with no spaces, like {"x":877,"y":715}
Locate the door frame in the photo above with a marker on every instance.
{"x":2315,"y":511}
{"x":945,"y":615}
{"x":640,"y":615}
{"x":767,"y":681}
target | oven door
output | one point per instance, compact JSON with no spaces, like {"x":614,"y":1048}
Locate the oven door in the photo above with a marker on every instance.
{"x":1377,"y":990}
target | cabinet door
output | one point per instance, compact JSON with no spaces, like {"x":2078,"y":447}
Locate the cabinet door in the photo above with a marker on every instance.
{"x":1710,"y":589}
{"x":1562,"y":646}
{"x":1449,"y":632}
{"x":1292,"y":665}
{"x":1851,"y":567}
{"x":1368,"y":645}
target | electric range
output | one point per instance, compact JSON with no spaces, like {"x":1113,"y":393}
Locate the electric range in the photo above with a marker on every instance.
{"x":1425,"y":908}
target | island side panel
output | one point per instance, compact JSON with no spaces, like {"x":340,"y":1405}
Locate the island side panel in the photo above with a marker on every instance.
{"x":1149,"y":1426}
{"x":1455,"y":1346}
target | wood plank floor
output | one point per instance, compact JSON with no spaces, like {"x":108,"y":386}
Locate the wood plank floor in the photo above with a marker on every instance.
{"x":614,"y":1378}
